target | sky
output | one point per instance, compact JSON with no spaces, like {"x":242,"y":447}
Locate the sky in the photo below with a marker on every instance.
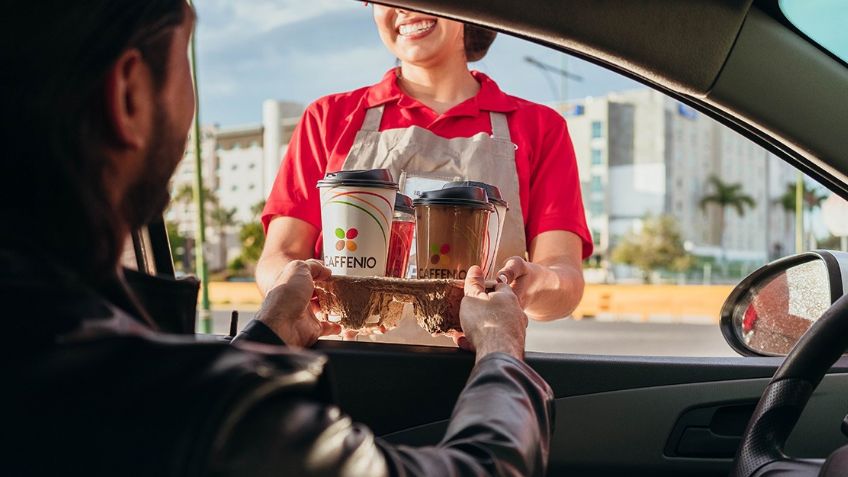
{"x":252,"y":50}
{"x":822,"y":20}
{"x":296,"y":50}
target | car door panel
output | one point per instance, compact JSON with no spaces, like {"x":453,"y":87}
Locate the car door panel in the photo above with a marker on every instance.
{"x":614,"y":414}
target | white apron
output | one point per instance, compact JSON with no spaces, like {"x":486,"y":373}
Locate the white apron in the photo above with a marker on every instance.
{"x":420,"y":160}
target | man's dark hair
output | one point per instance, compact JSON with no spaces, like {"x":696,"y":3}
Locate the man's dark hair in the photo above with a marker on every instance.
{"x":54,"y":56}
{"x":477,"y":42}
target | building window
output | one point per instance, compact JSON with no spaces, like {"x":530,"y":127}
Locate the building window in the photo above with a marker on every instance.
{"x":251,"y":187}
{"x":234,"y":188}
{"x":234,"y":167}
{"x":596,"y":207}
{"x":597,"y":130}
{"x":251,"y":165}
{"x":597,"y":157}
{"x":597,"y":185}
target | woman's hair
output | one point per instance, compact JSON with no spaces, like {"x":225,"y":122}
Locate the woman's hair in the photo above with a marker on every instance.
{"x":55,"y":56}
{"x":477,"y":42}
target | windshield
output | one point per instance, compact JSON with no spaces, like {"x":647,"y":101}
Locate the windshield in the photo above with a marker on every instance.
{"x":678,"y":208}
{"x":822,"y":20}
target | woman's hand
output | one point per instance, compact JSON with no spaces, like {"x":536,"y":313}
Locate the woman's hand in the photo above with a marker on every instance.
{"x":521,"y":275}
{"x":287,"y":308}
{"x":550,"y":286}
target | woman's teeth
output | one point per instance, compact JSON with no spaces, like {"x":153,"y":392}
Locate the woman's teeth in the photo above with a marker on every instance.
{"x":417,"y":27}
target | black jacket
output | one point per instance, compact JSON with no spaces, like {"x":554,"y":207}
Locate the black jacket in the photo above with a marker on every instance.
{"x":91,"y":390}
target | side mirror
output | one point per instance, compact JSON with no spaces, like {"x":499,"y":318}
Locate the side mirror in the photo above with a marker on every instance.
{"x":769,"y":310}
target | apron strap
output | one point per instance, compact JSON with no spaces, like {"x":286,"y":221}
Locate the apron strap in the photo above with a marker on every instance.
{"x":500,"y":127}
{"x":373,"y":118}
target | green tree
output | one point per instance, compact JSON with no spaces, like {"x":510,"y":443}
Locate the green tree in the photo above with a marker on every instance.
{"x":183,"y":197}
{"x":223,"y":219}
{"x":252,"y":236}
{"x":657,"y":246}
{"x":178,"y":245}
{"x":257,"y":208}
{"x":726,"y":195}
{"x":252,"y":240}
{"x":811,"y":199}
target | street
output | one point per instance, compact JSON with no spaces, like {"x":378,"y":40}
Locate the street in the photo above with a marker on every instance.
{"x":593,"y":337}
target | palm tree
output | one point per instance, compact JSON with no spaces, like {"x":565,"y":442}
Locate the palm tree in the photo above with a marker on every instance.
{"x":257,"y":208}
{"x":810,"y":197}
{"x":183,"y":196}
{"x":223,"y":219}
{"x":726,"y":195}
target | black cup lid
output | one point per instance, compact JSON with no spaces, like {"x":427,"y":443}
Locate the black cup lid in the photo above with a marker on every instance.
{"x":403,"y":203}
{"x":492,"y":191}
{"x":365,"y":178}
{"x":464,"y":196}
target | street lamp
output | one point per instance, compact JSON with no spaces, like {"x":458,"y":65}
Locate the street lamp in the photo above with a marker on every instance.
{"x":546,"y":69}
{"x":199,"y":202}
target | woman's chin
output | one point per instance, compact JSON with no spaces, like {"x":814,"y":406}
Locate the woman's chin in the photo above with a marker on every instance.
{"x":418,"y":57}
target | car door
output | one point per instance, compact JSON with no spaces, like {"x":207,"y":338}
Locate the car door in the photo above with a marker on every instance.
{"x":640,"y":414}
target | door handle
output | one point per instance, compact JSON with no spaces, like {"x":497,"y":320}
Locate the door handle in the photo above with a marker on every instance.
{"x":709,"y":431}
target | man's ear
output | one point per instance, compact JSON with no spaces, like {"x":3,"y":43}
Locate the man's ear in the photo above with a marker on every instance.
{"x":130,"y":94}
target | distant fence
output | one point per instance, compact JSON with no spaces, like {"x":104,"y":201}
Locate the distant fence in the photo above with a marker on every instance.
{"x":671,"y":303}
{"x":653,"y":302}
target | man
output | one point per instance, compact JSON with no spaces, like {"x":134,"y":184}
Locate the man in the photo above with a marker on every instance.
{"x":98,"y":99}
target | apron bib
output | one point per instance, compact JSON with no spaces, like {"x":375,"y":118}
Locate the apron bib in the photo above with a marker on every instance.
{"x":421,"y":160}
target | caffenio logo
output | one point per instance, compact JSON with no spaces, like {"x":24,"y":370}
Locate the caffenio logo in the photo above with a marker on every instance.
{"x":347,"y":242}
{"x":440,"y":256}
{"x":349,"y":234}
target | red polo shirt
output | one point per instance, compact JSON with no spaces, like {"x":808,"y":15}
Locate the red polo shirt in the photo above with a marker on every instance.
{"x":549,"y":186}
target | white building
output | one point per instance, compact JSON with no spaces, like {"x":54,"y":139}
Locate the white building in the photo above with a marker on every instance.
{"x":239,"y":169}
{"x":640,"y":152}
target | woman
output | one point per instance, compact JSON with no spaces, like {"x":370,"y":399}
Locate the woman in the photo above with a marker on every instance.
{"x":431,"y":120}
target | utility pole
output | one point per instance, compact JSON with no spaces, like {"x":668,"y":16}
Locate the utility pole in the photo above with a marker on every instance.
{"x":799,"y":213}
{"x":546,"y":68}
{"x":199,"y":202}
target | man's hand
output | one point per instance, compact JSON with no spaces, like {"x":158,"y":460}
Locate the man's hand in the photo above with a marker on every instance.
{"x":492,"y":322}
{"x":287,"y":307}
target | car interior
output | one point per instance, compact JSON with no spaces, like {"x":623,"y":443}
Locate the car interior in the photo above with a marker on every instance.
{"x":745,"y":65}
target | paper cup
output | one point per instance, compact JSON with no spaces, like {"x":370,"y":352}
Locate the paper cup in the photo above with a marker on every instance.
{"x":496,"y":222}
{"x":451,"y":231}
{"x":356,"y":221}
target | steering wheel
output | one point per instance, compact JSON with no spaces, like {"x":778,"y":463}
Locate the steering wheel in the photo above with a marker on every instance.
{"x":760,"y":453}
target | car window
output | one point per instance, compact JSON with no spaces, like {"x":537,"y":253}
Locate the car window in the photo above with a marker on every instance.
{"x":822,"y":20}
{"x":680,"y":208}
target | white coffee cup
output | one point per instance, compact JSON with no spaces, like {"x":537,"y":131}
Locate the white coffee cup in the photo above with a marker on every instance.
{"x":356,"y":221}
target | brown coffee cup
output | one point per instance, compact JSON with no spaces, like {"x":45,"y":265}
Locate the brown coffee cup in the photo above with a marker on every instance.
{"x":451,"y":228}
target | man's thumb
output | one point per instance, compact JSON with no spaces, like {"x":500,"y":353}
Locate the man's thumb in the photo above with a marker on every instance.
{"x":475,"y":283}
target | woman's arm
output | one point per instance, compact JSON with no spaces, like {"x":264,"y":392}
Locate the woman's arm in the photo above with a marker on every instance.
{"x":550,"y":285}
{"x":287,"y":239}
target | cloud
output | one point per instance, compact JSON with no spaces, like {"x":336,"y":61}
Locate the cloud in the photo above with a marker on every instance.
{"x":224,"y":20}
{"x":249,"y":51}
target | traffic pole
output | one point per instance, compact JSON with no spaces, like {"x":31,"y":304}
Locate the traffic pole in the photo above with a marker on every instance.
{"x":799,"y":213}
{"x":199,"y":202}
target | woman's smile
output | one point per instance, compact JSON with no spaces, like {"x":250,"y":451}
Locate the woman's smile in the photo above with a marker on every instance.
{"x":416,"y":29}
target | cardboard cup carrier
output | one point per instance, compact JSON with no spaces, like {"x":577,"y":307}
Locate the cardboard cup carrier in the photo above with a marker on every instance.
{"x":496,"y":222}
{"x":451,"y":227}
{"x":356,"y":221}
